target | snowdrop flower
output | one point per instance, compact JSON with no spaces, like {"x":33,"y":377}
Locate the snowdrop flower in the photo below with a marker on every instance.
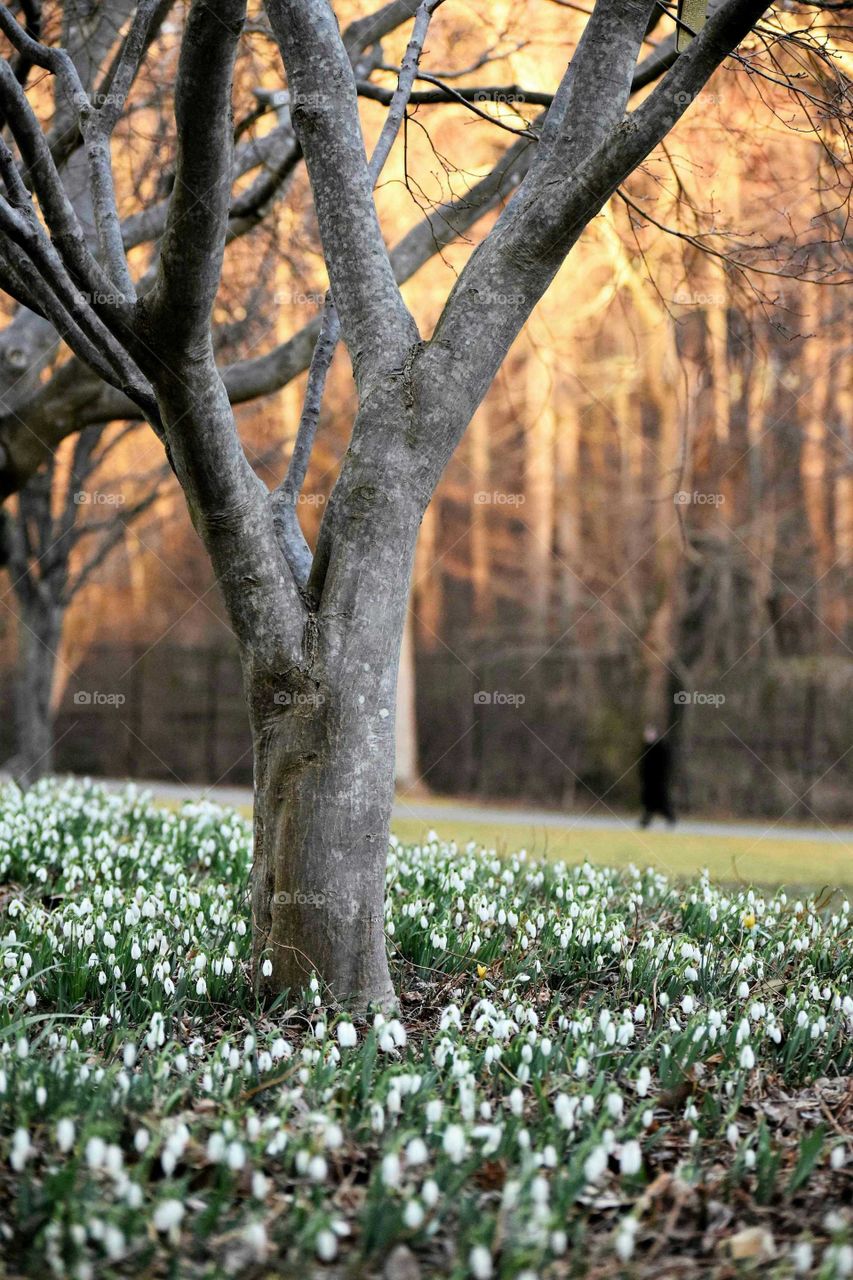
{"x":747,"y":1058}
{"x":413,"y":1215}
{"x":630,"y":1158}
{"x":168,"y":1215}
{"x":260,"y":1185}
{"x":65,"y":1133}
{"x":96,"y":1151}
{"x":802,"y":1256}
{"x":430,"y":1193}
{"x":326,"y":1245}
{"x":280,"y":1049}
{"x":255,"y":1237}
{"x":615,"y":1105}
{"x":564,"y":1109}
{"x":559,"y":1242}
{"x":21,"y":1151}
{"x":391,"y":1170}
{"x":113,"y":1242}
{"x":625,"y":1236}
{"x":333,"y":1137}
{"x":236,"y":1156}
{"x":216,"y":1146}
{"x":595,"y":1165}
{"x":434,"y":1109}
{"x":480,"y":1262}
{"x":347,"y":1035}
{"x":416,"y":1152}
{"x":398,"y":1033}
{"x":840,"y":1258}
{"x":453,"y":1142}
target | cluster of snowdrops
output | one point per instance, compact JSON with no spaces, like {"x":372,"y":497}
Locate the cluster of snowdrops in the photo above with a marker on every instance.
{"x":565,"y":1035}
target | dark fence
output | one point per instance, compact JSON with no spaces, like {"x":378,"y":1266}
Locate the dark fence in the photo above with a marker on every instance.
{"x":565,"y":729}
{"x":562,"y":730}
{"x":168,"y":712}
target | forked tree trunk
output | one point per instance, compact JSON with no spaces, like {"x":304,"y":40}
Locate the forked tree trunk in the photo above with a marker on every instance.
{"x":320,"y":656}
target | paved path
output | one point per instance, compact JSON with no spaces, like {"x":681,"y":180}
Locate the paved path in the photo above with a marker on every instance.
{"x":431,"y":811}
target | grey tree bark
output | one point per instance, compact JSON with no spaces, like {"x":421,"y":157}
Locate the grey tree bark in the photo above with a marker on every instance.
{"x":320,"y":637}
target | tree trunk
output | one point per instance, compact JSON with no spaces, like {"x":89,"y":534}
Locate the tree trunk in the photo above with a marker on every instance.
{"x":39,"y":634}
{"x":322,"y":821}
{"x":324,"y":736}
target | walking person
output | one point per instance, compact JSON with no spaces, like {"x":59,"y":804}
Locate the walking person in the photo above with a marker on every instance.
{"x":656,"y":777}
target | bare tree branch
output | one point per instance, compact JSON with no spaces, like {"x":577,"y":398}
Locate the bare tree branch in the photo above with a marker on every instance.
{"x":73,"y":398}
{"x":59,"y":213}
{"x":96,"y":143}
{"x":227,"y":503}
{"x":34,"y":260}
{"x":194,"y":240}
{"x":444,"y":94}
{"x":285,"y":497}
{"x":113,"y":534}
{"x":509,"y":273}
{"x":375,"y":322}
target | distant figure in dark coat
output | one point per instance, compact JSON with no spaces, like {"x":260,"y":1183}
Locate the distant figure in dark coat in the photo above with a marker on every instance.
{"x":655,"y":777}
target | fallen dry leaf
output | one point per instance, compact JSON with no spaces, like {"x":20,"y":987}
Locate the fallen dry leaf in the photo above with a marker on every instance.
{"x":752,"y":1244}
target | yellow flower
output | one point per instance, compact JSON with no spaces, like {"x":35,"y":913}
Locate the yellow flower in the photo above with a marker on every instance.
{"x":749,"y":920}
{"x":481,"y":971}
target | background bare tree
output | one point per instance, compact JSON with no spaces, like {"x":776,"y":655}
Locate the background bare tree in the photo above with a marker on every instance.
{"x":66,"y":525}
{"x":320,"y":631}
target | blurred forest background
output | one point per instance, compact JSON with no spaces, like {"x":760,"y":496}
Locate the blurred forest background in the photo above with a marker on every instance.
{"x":651,"y":517}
